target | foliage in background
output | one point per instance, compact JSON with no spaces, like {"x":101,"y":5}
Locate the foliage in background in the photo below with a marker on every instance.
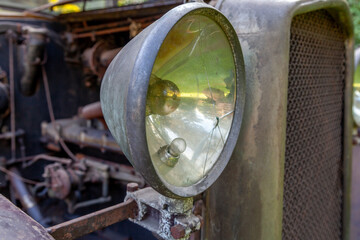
{"x":355,"y":10}
{"x":127,"y":2}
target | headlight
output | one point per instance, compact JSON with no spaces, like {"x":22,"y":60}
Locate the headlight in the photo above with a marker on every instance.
{"x":173,"y":98}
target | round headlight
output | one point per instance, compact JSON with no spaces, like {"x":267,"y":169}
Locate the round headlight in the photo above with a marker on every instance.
{"x":173,"y":98}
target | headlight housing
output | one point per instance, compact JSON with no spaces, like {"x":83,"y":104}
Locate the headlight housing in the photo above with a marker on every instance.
{"x":174,"y":96}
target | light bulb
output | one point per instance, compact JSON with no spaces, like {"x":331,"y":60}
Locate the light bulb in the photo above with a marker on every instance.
{"x":177,"y":146}
{"x":170,"y":154}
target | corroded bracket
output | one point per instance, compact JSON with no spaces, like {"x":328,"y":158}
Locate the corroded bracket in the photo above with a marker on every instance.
{"x":94,"y":221}
{"x":167,"y":218}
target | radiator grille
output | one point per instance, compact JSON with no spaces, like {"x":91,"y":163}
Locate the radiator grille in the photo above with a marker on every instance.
{"x":313,"y":187}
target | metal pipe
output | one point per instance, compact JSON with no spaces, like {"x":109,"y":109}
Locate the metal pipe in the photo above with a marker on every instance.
{"x":9,"y":135}
{"x":94,"y":221}
{"x":12,"y":95}
{"x":74,"y":131}
{"x":26,"y":199}
{"x":101,"y":32}
{"x":65,"y":161}
{"x":91,"y":111}
{"x":114,"y":24}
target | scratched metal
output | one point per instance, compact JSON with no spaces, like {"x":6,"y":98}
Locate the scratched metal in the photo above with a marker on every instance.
{"x":16,"y":225}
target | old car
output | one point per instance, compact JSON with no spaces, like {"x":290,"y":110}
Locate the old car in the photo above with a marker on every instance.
{"x":235,"y":116}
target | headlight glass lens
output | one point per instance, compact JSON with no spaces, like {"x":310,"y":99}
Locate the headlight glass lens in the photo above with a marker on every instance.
{"x":190,"y":100}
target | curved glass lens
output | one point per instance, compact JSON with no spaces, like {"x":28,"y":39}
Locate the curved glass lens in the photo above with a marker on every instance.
{"x":190,"y":100}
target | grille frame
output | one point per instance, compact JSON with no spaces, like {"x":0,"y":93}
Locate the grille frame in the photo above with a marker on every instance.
{"x":313,"y":178}
{"x":249,"y":193}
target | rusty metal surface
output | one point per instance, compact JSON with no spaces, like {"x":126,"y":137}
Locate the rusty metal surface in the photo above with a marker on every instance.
{"x":16,"y":225}
{"x":96,"y":59}
{"x":101,"y":32}
{"x":313,"y":189}
{"x":94,"y":221}
{"x":167,"y":218}
{"x":59,"y":180}
{"x":82,"y":29}
{"x":133,"y":25}
{"x":246,"y":202}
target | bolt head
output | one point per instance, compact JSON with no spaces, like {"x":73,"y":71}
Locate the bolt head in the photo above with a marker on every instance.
{"x":177,"y":231}
{"x":132,"y":187}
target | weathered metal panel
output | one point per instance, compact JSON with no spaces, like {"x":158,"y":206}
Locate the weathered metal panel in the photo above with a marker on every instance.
{"x":16,"y":225}
{"x":246,"y":202}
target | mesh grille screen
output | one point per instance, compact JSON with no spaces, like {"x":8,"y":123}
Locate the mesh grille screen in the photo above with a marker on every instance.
{"x":314,"y":143}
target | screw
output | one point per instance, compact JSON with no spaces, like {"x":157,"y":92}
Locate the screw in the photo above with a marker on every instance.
{"x":132,"y":187}
{"x":177,"y":231}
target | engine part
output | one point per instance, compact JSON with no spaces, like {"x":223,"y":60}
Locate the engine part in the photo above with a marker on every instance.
{"x":33,"y":50}
{"x":60,"y":181}
{"x":63,"y":181}
{"x":77,"y":132}
{"x":96,"y":60}
{"x":120,"y":172}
